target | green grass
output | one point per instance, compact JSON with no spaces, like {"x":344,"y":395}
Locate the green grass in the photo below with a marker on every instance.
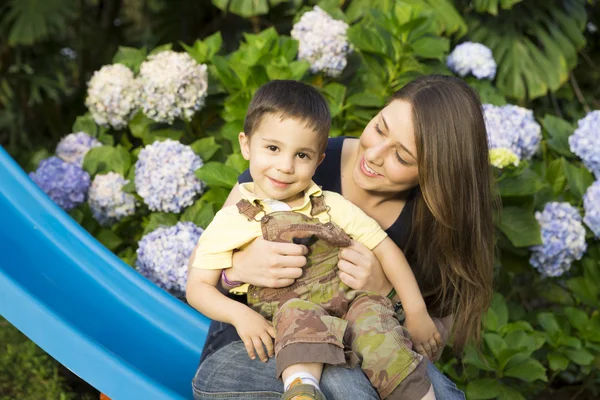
{"x":28,"y":373}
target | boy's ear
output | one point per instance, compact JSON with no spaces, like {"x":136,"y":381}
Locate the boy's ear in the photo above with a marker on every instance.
{"x":244,"y":145}
{"x":321,"y":158}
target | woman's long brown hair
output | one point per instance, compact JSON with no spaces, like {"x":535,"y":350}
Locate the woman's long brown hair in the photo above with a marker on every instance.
{"x":453,"y":231}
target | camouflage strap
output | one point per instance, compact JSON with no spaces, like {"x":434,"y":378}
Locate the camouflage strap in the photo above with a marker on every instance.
{"x":248,"y":209}
{"x":317,"y":205}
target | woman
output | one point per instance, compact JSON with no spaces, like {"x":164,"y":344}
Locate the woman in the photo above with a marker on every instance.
{"x":420,"y":169}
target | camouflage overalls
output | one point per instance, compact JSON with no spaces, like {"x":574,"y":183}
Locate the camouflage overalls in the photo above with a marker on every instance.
{"x":311,"y":315}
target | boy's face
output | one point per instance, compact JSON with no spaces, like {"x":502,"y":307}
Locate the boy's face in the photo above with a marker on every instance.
{"x":283,"y":155}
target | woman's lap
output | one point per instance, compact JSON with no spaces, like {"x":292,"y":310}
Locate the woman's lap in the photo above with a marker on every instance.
{"x":230,"y":374}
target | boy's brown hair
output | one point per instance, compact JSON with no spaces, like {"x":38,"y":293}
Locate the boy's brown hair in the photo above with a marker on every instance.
{"x":290,"y":99}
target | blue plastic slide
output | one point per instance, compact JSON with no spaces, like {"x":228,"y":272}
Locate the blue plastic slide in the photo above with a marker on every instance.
{"x":84,"y":306}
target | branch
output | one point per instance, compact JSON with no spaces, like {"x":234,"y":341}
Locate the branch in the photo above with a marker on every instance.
{"x":578,"y":92}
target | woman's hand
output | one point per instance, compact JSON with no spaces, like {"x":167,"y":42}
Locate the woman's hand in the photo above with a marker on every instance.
{"x":256,"y":332}
{"x":360,"y":269}
{"x":268,"y":264}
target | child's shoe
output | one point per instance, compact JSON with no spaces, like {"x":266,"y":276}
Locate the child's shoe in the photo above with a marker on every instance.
{"x":302,"y":391}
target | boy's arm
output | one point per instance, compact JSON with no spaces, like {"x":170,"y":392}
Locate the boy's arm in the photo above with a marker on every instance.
{"x":398,"y":271}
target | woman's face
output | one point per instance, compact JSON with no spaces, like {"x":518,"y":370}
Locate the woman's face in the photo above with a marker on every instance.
{"x":387,"y":154}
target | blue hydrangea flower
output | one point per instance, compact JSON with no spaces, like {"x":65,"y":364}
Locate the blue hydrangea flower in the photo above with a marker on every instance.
{"x":591,"y":205}
{"x":73,"y":147}
{"x":322,"y":41}
{"x":107,"y":200}
{"x":514,"y":128}
{"x":563,"y":237}
{"x":164,"y":176}
{"x":65,"y":183}
{"x":163,"y":255}
{"x":473,"y":58}
{"x":585,"y":141}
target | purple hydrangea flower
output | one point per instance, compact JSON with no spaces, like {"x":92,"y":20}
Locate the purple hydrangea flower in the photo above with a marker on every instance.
{"x":163,"y":255}
{"x":514,"y":128}
{"x":164,"y":176}
{"x":591,"y":205}
{"x":585,"y":141}
{"x":473,"y":58}
{"x":107,"y":200}
{"x":65,"y":183}
{"x":323,"y":42}
{"x":563,"y":237}
{"x":73,"y":147}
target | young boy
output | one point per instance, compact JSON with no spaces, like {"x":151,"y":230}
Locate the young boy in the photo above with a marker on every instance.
{"x":317,"y":317}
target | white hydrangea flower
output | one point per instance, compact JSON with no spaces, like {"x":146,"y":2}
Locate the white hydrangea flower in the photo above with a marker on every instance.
{"x":173,"y":85}
{"x":473,"y":58}
{"x":107,"y":200}
{"x":163,"y":255}
{"x":323,"y":42}
{"x":164,"y":176}
{"x":591,"y":205}
{"x":113,"y":95}
{"x":585,"y":141}
{"x":73,"y":147}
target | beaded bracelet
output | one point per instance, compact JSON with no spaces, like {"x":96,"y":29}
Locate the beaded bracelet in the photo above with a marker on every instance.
{"x":228,"y":282}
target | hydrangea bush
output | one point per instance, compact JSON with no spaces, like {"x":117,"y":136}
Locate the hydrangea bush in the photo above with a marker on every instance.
{"x":472,"y":58}
{"x":108,"y":202}
{"x":163,"y":254}
{"x":173,"y":85}
{"x":563,"y":237}
{"x":591,"y":205}
{"x":65,"y":183}
{"x":322,"y":42}
{"x":513,"y":129}
{"x":113,"y":95}
{"x":73,"y":147}
{"x":585,"y":141}
{"x":164,"y":176}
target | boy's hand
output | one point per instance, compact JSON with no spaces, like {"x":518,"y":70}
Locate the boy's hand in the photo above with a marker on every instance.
{"x":424,"y":334}
{"x":256,"y":332}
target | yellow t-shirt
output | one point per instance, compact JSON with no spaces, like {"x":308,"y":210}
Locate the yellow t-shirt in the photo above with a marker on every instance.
{"x":230,"y":230}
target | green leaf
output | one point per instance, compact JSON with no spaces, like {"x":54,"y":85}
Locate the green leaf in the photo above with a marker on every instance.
{"x":529,"y":370}
{"x":555,"y":175}
{"x":557,"y":361}
{"x":431,"y":47}
{"x":156,"y":220}
{"x":559,"y":131}
{"x":366,"y":38}
{"x":583,"y":290}
{"x":200,"y":213}
{"x":215,"y":196}
{"x":205,"y":147}
{"x":525,"y":184}
{"x":217,"y":174}
{"x":109,"y":239}
{"x":549,"y":323}
{"x":104,"y":159}
{"x":579,"y":179}
{"x":578,"y":356}
{"x":161,"y":48}
{"x":495,"y":343}
{"x":578,"y":319}
{"x":483,"y":389}
{"x":556,"y":294}
{"x":32,"y":21}
{"x":335,"y":94}
{"x":490,"y":320}
{"x":508,"y":393}
{"x":131,"y":57}
{"x":472,"y":357}
{"x":237,"y":162}
{"x":140,"y":125}
{"x":203,"y":50}
{"x":243,"y":8}
{"x":366,"y":100}
{"x":85,"y":123}
{"x":520,"y":226}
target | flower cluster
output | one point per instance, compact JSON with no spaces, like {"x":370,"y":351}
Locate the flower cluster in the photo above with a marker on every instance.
{"x":107,"y":200}
{"x":163,"y":254}
{"x":322,"y":42}
{"x":112,"y":96}
{"x":513,"y":128}
{"x":65,"y":183}
{"x":73,"y":147}
{"x":173,"y":85}
{"x":501,"y":158}
{"x":585,"y":141}
{"x":473,"y":58}
{"x":563,"y":238}
{"x":591,"y":205}
{"x":164,"y":176}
